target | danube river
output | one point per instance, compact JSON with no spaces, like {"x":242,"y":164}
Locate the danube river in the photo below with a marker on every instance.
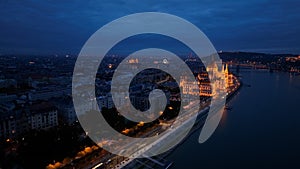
{"x":262,"y":130}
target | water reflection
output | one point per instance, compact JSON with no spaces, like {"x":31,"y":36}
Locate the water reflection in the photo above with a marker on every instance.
{"x":261,"y":130}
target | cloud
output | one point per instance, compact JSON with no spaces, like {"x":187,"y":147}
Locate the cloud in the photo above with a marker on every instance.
{"x":33,"y":26}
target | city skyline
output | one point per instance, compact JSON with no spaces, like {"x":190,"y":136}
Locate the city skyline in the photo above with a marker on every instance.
{"x":149,"y":84}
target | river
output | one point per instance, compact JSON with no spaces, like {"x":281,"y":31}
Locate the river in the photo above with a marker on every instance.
{"x":261,"y":131}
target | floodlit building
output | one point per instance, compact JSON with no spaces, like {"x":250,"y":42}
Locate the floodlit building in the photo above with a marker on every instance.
{"x":204,"y":81}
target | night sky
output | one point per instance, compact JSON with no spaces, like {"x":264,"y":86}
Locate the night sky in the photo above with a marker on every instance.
{"x":61,"y":27}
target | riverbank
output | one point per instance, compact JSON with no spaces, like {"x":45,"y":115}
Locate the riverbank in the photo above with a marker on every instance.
{"x":259,"y":132}
{"x":202,"y":116}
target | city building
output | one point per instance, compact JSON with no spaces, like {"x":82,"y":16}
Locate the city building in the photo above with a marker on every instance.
{"x":13,"y":120}
{"x":7,"y":97}
{"x":8,"y":126}
{"x":292,"y":59}
{"x":48,"y":94}
{"x":43,"y":116}
{"x":204,"y":81}
{"x":105,"y":102}
{"x":66,"y":111}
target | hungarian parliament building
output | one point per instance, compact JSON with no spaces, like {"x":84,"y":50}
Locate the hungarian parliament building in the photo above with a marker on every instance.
{"x":205,"y":81}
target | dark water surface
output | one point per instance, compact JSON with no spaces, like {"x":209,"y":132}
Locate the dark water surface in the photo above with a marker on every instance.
{"x":261,"y":131}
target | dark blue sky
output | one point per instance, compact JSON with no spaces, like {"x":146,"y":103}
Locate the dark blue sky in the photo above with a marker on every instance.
{"x":49,"y":27}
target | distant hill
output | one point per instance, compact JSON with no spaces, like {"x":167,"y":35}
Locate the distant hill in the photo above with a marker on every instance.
{"x":251,"y":56}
